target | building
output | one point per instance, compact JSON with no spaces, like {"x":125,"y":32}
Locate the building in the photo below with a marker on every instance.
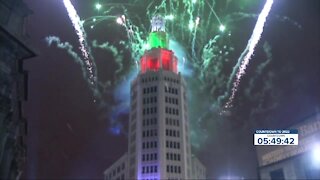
{"x":118,"y":170}
{"x":13,"y":87}
{"x":294,"y":162}
{"x":198,"y":169}
{"x":159,"y":142}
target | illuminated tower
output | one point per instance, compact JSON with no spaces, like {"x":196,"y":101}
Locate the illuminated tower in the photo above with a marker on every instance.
{"x":159,"y":145}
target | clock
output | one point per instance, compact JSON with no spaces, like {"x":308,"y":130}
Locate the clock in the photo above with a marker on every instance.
{"x":276,"y":137}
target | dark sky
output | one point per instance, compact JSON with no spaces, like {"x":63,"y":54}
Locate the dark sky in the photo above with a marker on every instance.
{"x":67,"y":138}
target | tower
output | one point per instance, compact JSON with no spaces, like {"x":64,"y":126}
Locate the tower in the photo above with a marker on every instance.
{"x":158,"y":139}
{"x":159,"y":145}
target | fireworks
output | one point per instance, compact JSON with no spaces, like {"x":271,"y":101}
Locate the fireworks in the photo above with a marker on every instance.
{"x":248,"y":52}
{"x":77,"y":24}
{"x":203,"y":42}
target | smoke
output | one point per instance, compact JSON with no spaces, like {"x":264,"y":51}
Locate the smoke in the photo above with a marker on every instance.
{"x":117,"y":56}
{"x":69,"y":49}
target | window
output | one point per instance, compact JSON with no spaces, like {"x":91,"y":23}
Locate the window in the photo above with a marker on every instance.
{"x":277,"y":174}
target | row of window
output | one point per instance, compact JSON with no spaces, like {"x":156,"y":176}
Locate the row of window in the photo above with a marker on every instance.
{"x":151,"y":121}
{"x":173,"y":144}
{"x":117,"y":170}
{"x":173,"y":156}
{"x":149,"y":157}
{"x":171,"y":90}
{"x":172,"y":122}
{"x":172,"y":133}
{"x":170,"y":110}
{"x":173,"y":169}
{"x":150,"y":100}
{"x":148,"y":90}
{"x":151,"y":144}
{"x":149,"y":169}
{"x":149,"y":79}
{"x":155,"y":78}
{"x":171,"y":100}
{"x":118,"y":178}
{"x":151,"y":110}
{"x":149,"y":133}
{"x":171,"y":79}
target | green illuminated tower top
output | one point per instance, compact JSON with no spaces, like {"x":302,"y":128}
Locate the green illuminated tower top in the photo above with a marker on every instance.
{"x":158,"y":37}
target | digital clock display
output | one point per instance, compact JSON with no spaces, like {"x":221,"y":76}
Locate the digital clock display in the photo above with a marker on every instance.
{"x":276,"y":137}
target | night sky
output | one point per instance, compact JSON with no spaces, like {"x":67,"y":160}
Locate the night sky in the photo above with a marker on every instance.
{"x":70,"y":136}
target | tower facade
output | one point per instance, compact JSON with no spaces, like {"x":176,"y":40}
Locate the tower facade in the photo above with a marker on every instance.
{"x":158,"y":139}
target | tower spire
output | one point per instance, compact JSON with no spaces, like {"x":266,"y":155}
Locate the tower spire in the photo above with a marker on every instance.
{"x":159,"y":56}
{"x":158,"y":38}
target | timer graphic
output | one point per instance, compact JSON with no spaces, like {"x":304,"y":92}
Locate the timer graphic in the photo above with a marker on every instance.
{"x":276,"y":137}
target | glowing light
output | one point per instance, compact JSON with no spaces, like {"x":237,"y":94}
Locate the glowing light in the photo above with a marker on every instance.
{"x":222,"y":27}
{"x":158,"y":40}
{"x":159,"y":58}
{"x":77,"y":24}
{"x":169,"y":17}
{"x":316,"y":155}
{"x":194,"y":1}
{"x":94,"y":19}
{"x":91,"y":26}
{"x":253,"y":41}
{"x":98,"y":6}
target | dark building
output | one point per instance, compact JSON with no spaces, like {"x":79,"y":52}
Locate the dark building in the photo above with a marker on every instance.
{"x":13,"y":87}
{"x":300,"y":161}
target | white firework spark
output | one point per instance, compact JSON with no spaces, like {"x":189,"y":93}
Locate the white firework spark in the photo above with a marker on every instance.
{"x":77,"y":24}
{"x":253,"y":41}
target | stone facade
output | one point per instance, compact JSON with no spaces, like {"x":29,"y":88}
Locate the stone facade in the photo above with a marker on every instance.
{"x":13,"y":87}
